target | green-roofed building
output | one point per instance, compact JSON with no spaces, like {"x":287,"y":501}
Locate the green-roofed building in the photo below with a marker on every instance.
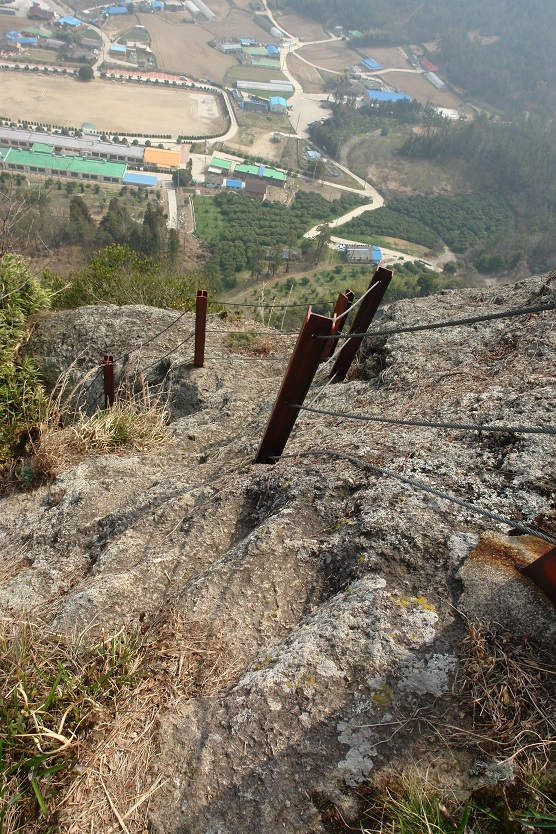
{"x":36,"y":32}
{"x":272,"y":175}
{"x":224,"y":164}
{"x":75,"y":167}
{"x":278,"y":177}
{"x":247,"y":170}
{"x":40,"y":147}
{"x":256,"y":50}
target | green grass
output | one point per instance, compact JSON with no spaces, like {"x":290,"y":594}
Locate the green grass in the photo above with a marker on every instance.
{"x":241,"y":340}
{"x":135,"y":34}
{"x":242,"y":73}
{"x":272,"y":121}
{"x":410,"y":805}
{"x":207,"y":217}
{"x":52,"y":686}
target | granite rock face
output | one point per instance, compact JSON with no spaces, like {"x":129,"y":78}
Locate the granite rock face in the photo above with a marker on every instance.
{"x":336,"y":587}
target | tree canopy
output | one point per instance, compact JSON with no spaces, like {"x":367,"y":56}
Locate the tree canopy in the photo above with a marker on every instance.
{"x":85,"y":73}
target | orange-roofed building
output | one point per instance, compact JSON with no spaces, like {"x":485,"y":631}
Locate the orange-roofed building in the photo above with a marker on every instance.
{"x":162,"y":158}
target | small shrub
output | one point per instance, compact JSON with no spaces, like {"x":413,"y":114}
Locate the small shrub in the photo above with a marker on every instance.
{"x":240,"y":340}
{"x":22,"y":398}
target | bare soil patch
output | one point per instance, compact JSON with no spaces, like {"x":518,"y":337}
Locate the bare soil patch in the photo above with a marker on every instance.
{"x":112,"y":106}
{"x":256,"y":143}
{"x":396,"y":176}
{"x":334,"y":55}
{"x":418,"y":87}
{"x":302,"y":27}
{"x":182,"y":48}
{"x":309,"y":77}
{"x":117,"y":24}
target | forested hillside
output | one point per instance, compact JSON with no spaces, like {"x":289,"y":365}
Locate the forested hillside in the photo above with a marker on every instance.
{"x":515,"y":160}
{"x":500,"y":51}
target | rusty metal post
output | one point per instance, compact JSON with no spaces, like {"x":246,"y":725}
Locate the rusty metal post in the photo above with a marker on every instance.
{"x":108,"y":374}
{"x":543,"y":573}
{"x":300,"y":372}
{"x":361,"y":322}
{"x":345,"y":300}
{"x":200,"y":327}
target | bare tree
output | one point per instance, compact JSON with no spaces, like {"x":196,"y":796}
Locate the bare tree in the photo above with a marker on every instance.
{"x":21,"y":215}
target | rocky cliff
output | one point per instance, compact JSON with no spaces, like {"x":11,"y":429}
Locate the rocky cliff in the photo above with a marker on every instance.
{"x":341,"y":593}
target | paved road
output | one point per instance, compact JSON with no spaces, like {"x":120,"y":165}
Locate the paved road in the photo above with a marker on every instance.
{"x":172,"y":222}
{"x":345,"y":218}
{"x":233,"y":122}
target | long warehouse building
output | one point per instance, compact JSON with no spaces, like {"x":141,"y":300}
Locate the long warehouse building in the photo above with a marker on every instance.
{"x":88,"y":146}
{"x":39,"y":161}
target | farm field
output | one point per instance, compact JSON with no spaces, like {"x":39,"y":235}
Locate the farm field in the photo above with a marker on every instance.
{"x":418,"y":87}
{"x":302,"y":27}
{"x":388,"y":56}
{"x":255,"y":74}
{"x":334,"y":55}
{"x":9,"y":23}
{"x":112,"y":107}
{"x":237,"y":24}
{"x":309,"y":77}
{"x":219,"y":7}
{"x":182,"y":48}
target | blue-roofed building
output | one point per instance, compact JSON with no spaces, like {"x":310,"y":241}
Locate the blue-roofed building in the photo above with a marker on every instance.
{"x":118,"y":49}
{"x":147,"y":180}
{"x":114,"y":10}
{"x":23,"y":40}
{"x":157,"y":5}
{"x":278,"y":104}
{"x":72,"y":22}
{"x":378,"y":96}
{"x":237,"y":184}
{"x":370,"y":65}
{"x":272,"y":50}
{"x":360,"y":254}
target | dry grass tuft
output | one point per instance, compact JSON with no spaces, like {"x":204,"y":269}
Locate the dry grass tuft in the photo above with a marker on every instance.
{"x":509,"y":686}
{"x":252,"y":344}
{"x":67,"y":435}
{"x":92,"y":705}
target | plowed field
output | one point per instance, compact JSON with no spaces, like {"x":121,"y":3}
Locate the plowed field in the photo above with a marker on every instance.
{"x":238,"y":24}
{"x":334,"y":55}
{"x":301,"y":27}
{"x":418,"y":87}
